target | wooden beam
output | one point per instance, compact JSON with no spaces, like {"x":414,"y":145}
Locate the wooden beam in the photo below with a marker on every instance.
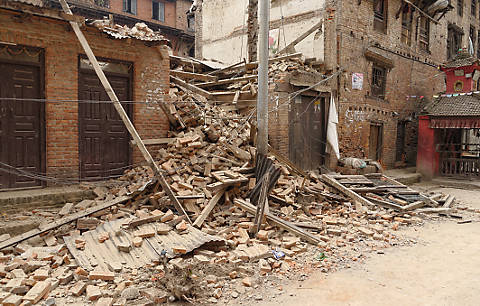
{"x":286,"y":161}
{"x":387,"y":204}
{"x":449,"y":201}
{"x":157,"y":141}
{"x":421,"y":11}
{"x":291,"y":45}
{"x":62,"y":221}
{"x":279,"y":222}
{"x":351,"y":194}
{"x":121,"y":111}
{"x":227,"y":81}
{"x":191,"y":87}
{"x":414,"y":205}
{"x":193,"y":76}
{"x":208,"y":208}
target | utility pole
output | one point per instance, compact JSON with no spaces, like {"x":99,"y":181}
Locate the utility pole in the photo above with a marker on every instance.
{"x":262,"y":98}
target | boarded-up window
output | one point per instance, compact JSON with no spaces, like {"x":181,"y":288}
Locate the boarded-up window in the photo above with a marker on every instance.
{"x":424,"y":33}
{"x":380,"y":15}
{"x":379,"y":81}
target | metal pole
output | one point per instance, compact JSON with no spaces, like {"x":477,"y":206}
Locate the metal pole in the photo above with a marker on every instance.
{"x":262,"y":98}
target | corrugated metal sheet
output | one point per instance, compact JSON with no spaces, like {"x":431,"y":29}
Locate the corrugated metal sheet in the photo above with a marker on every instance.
{"x":99,"y":254}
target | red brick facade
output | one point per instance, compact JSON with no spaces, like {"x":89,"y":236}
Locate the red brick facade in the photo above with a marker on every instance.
{"x":61,"y":53}
{"x":411,"y":79}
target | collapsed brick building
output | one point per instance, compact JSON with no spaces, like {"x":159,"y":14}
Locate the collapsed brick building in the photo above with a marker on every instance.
{"x":384,"y":55}
{"x":46,"y":129}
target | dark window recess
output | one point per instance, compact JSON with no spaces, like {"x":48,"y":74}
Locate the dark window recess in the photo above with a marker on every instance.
{"x":424,"y":33}
{"x":191,"y":22}
{"x":130,"y":6}
{"x":380,"y":15}
{"x":474,"y":8}
{"x":454,"y":41}
{"x":407,"y":21}
{"x":103,"y":3}
{"x":460,"y":7}
{"x":379,"y":81}
{"x":400,"y":149}
{"x":158,"y":11}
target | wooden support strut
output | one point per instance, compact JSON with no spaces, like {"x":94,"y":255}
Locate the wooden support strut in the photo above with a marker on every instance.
{"x":116,"y":103}
{"x":279,"y":222}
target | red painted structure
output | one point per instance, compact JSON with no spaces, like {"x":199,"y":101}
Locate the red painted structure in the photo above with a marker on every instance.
{"x":447,"y":113}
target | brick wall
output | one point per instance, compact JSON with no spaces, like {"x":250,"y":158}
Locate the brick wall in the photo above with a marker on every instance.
{"x":150,"y":79}
{"x":408,"y":80}
{"x":144,"y":11}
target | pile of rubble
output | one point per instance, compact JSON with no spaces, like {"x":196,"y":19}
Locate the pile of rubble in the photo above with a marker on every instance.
{"x":130,"y":245}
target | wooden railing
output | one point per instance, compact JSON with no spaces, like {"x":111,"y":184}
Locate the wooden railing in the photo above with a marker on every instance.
{"x":463,"y":166}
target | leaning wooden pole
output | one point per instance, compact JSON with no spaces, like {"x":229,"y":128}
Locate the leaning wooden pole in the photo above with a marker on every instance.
{"x":116,"y":103}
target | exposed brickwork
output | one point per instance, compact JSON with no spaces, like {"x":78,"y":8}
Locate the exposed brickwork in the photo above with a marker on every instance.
{"x":409,"y":79}
{"x":150,"y":79}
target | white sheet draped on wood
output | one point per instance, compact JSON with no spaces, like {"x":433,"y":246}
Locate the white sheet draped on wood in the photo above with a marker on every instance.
{"x":332,"y":135}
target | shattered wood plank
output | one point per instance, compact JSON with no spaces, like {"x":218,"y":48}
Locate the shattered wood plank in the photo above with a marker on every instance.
{"x":73,"y":217}
{"x":193,"y":76}
{"x":208,"y":208}
{"x":279,"y":222}
{"x":226,"y":81}
{"x":437,"y":210}
{"x":351,"y":194}
{"x":191,"y":87}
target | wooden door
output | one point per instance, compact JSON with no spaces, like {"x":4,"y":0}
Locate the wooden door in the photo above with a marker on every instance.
{"x":104,"y":139}
{"x":375,"y":142}
{"x":307,"y":131}
{"x":20,"y":125}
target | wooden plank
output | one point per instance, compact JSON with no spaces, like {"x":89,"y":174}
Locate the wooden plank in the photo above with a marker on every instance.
{"x":121,"y":111}
{"x":414,"y":205}
{"x":208,"y":208}
{"x":279,"y":222}
{"x":227,"y":81}
{"x":254,"y":65}
{"x":191,"y":87}
{"x":262,"y":203}
{"x":290,"y":47}
{"x":158,"y":141}
{"x":193,"y":76}
{"x":286,"y":162}
{"x":386,"y":204}
{"x":351,"y":194}
{"x":60,"y":222}
{"x":449,"y":201}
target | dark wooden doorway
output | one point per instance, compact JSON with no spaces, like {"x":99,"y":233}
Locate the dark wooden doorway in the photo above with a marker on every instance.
{"x":308,"y":119}
{"x":400,"y":147}
{"x":375,"y":141}
{"x":103,"y":139}
{"x":21,"y":120}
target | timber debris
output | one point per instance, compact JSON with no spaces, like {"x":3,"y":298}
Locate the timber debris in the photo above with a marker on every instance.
{"x":131,"y":244}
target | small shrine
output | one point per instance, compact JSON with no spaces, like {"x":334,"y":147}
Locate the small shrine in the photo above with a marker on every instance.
{"x":449,"y":126}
